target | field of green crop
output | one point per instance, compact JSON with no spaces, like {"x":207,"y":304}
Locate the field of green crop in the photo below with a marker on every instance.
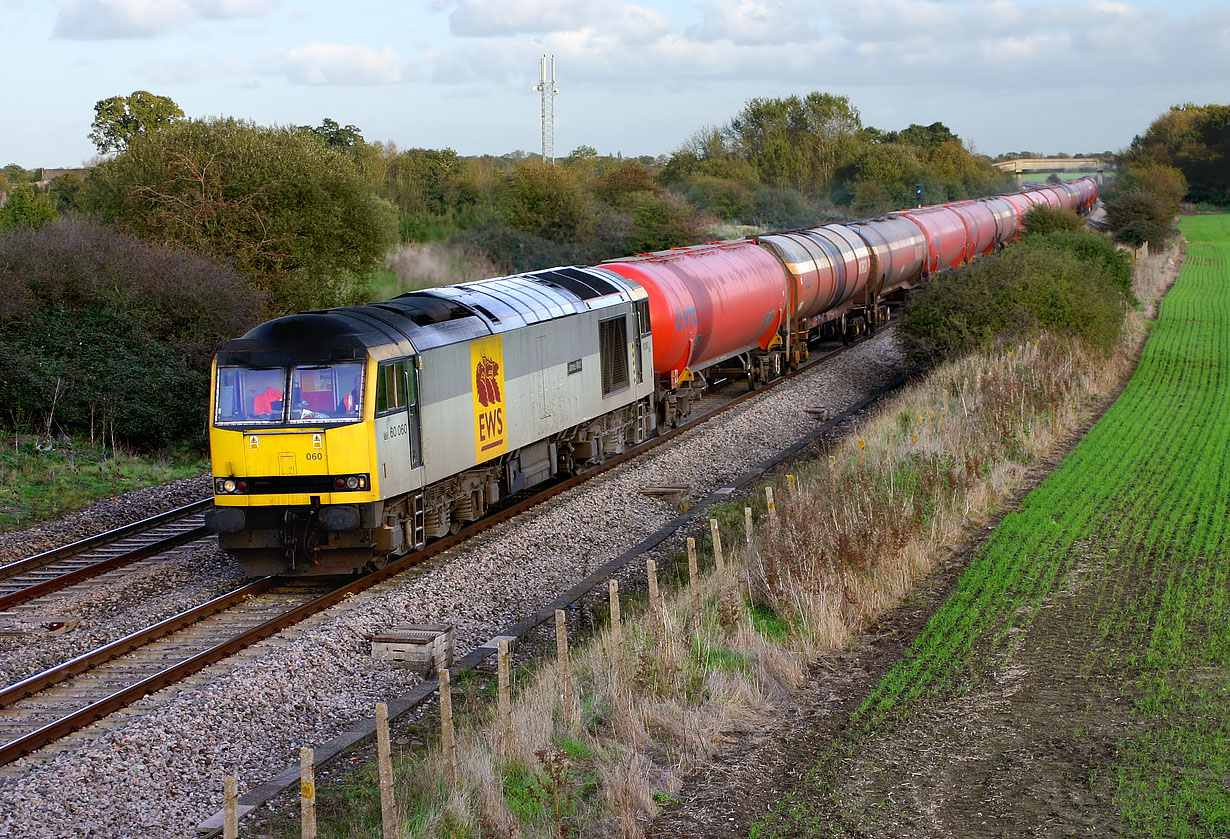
{"x":1080,"y":673}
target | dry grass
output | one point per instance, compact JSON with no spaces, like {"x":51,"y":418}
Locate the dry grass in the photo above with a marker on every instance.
{"x":861,"y":527}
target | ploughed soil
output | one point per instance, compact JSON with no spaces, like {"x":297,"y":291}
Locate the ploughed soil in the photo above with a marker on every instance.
{"x":1017,"y":756}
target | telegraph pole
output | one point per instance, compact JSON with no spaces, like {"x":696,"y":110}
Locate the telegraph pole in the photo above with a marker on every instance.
{"x":546,"y":86}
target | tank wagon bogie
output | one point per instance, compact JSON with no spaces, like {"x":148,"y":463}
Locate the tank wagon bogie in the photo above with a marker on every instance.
{"x":342,"y":438}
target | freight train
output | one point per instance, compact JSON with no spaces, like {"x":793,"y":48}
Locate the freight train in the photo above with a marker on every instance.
{"x":342,"y":438}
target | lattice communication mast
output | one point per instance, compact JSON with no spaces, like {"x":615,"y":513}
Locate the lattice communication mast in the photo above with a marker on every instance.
{"x":546,"y":86}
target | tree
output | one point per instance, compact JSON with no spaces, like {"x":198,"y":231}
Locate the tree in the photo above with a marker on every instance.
{"x":547,"y":201}
{"x":335,"y":135}
{"x":935,"y":134}
{"x":1195,"y":139}
{"x":292,"y":214}
{"x":121,"y":118}
{"x":1142,"y":203}
{"x":26,"y":208}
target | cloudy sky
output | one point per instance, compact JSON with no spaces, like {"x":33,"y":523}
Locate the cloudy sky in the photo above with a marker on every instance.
{"x":635,"y":78}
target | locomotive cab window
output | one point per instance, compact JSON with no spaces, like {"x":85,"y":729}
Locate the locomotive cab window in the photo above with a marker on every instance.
{"x":249,"y":396}
{"x":326,"y":393}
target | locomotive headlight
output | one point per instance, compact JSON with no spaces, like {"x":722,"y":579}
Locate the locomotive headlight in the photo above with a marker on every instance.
{"x":228,"y":485}
{"x":352,"y":482}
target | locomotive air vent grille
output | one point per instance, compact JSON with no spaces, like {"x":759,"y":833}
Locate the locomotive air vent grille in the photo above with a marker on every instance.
{"x":613,"y":354}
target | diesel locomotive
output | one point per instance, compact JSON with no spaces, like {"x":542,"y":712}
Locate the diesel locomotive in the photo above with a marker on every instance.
{"x":342,"y":438}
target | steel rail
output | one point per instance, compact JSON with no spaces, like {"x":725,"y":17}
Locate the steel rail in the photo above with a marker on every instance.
{"x":104,"y":538}
{"x":102,"y":566}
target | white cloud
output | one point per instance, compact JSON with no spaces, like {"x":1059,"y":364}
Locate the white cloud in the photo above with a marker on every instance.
{"x":342,"y":64}
{"x":90,"y":20}
{"x":487,"y":18}
{"x":755,"y":22}
{"x":981,"y":48}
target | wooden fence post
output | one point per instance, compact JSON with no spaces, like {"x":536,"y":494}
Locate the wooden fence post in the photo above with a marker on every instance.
{"x":384,"y":756}
{"x":230,"y":807}
{"x":504,"y":699}
{"x":716,"y":534}
{"x":768,"y":497}
{"x":448,"y":743}
{"x":747,"y":524}
{"x":565,"y":668}
{"x":307,"y":793}
{"x":616,"y":631}
{"x":651,"y":573}
{"x":693,"y":571}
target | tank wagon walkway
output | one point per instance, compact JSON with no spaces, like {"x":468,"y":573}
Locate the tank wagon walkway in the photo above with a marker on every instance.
{"x":1077,"y":680}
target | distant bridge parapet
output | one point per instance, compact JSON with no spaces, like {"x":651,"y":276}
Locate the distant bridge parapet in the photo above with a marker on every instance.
{"x":1053,"y":164}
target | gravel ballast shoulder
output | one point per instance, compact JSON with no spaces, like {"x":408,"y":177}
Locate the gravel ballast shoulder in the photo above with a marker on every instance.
{"x":157,"y":769}
{"x":102,"y":516}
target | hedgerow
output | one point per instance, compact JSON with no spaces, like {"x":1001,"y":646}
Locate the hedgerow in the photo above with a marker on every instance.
{"x":102,"y":333}
{"x":1067,"y":282}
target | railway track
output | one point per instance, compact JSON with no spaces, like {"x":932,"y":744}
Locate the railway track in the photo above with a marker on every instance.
{"x":47,"y":707}
{"x":27,"y":579}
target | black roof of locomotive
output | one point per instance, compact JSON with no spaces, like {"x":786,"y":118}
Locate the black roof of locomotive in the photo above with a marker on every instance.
{"x":421,"y":320}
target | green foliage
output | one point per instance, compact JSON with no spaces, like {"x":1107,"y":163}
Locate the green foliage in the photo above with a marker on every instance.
{"x":26,"y":208}
{"x":65,"y":192}
{"x":1040,"y":220}
{"x":729,"y":200}
{"x":1061,"y":283}
{"x":293,"y":215}
{"x":616,"y":185}
{"x":335,"y":135}
{"x":431,"y":182}
{"x":1096,"y":250}
{"x":923,"y":136}
{"x":1142,"y":204}
{"x":708,"y":657}
{"x":38,"y":485}
{"x":659,"y":223}
{"x":100,"y":333}
{"x":768,"y":623}
{"x":14,"y":174}
{"x":545,"y":201}
{"x":119,"y":119}
{"x":1195,"y":140}
{"x":796,"y":142}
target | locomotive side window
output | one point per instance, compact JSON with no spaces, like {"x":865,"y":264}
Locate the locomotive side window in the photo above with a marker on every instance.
{"x":396,"y":391}
{"x":642,"y":316}
{"x":391,"y":388}
{"x":641,"y":308}
{"x":247,"y":396}
{"x":326,"y":392}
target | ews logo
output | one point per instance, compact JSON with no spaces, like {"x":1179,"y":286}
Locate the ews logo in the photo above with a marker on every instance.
{"x":490,"y":413}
